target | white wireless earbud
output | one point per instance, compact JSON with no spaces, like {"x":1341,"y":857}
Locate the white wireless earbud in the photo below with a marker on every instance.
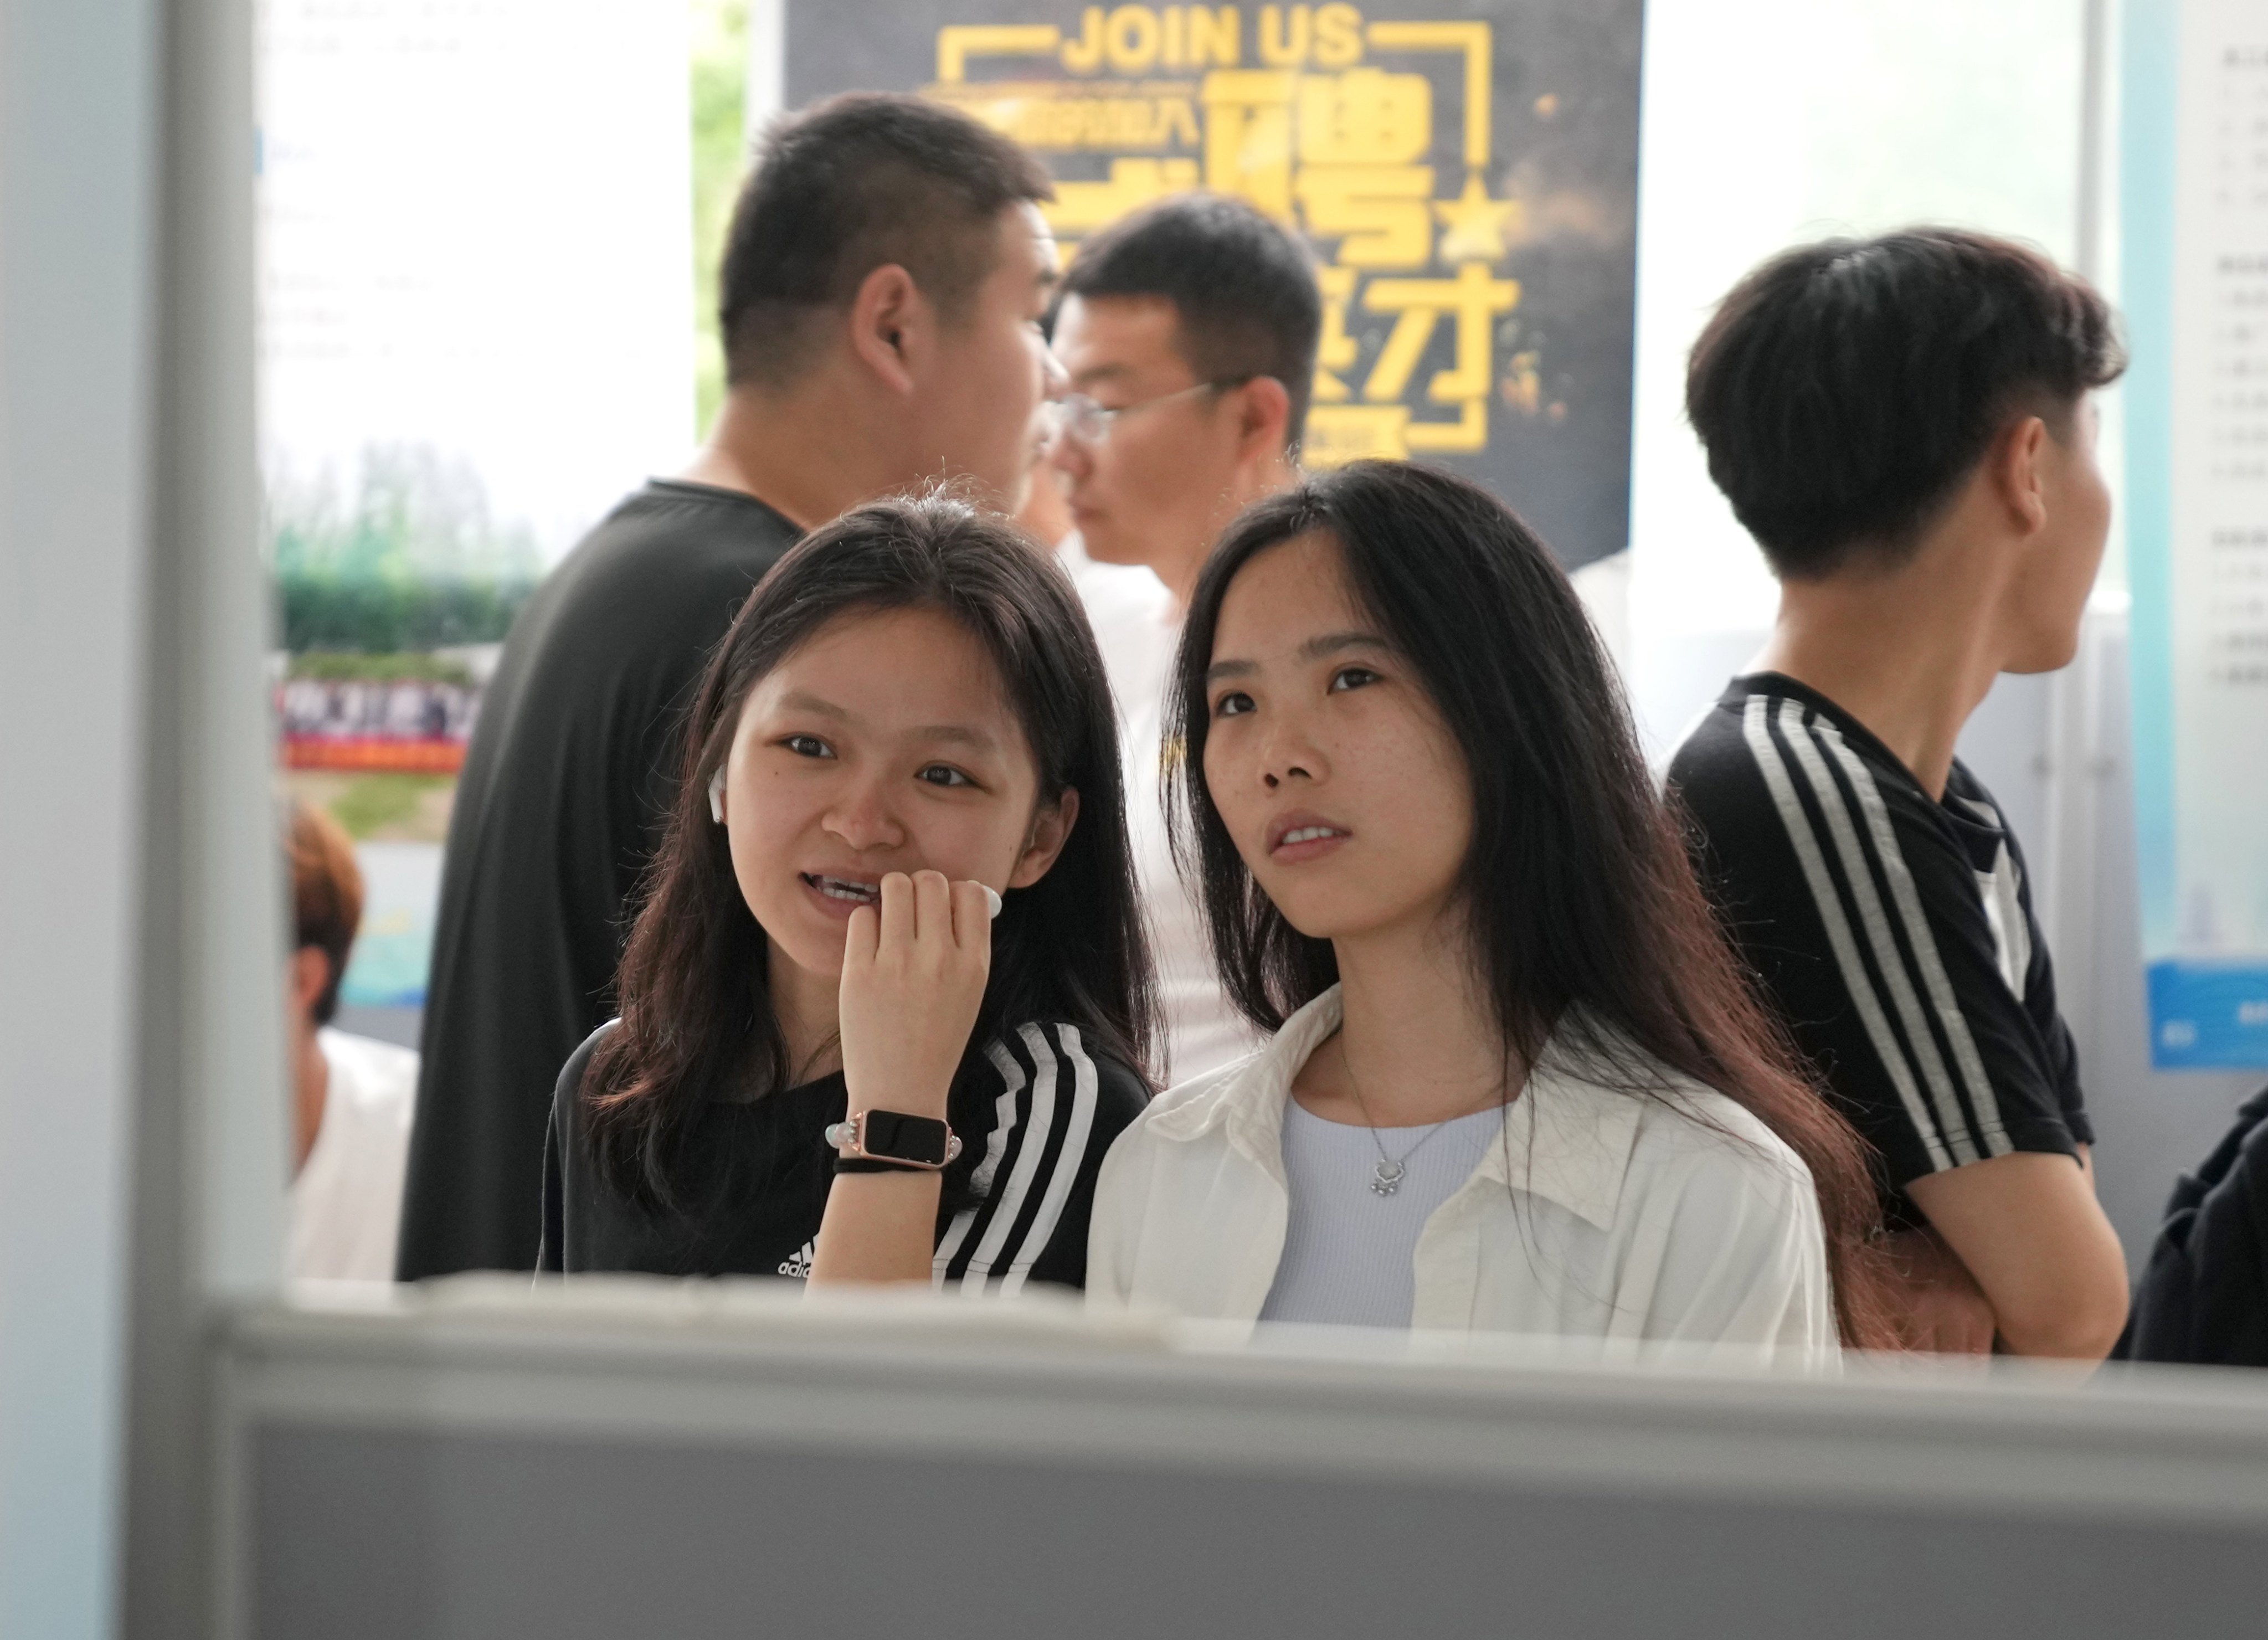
{"x":991,"y":897}
{"x":716,"y":798}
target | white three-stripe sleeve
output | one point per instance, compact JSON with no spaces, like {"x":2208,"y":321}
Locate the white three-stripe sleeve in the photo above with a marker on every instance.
{"x":1757,"y":731}
{"x":1008,"y":1197}
{"x":1837,"y":809}
{"x":1924,"y":942}
{"x":1070,"y":1156}
{"x":995,"y":1146}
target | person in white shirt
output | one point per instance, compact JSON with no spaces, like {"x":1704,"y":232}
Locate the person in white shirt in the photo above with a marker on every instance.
{"x":1517,"y":1083}
{"x":1045,"y":515}
{"x":351,"y":1096}
{"x":1188,"y":333}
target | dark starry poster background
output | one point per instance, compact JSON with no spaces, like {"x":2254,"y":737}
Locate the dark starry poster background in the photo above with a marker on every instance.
{"x":1477,"y":253}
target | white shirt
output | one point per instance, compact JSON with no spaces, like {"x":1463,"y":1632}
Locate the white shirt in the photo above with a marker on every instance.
{"x":1601,"y":1214}
{"x":1349,"y":1252}
{"x":1137,"y":628}
{"x":346,"y":1204}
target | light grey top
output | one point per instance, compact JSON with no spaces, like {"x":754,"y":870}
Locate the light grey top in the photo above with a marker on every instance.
{"x":1349,"y":1253}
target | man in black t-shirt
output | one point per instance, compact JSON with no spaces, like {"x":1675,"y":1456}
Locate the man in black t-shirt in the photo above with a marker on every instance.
{"x":1904,"y":426}
{"x":883,"y":275}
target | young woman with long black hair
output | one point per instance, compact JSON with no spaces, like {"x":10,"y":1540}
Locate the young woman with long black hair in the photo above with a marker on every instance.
{"x":831,"y":1060}
{"x":1517,"y":1082}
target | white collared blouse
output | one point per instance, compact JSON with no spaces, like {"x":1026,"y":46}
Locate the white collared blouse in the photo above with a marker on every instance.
{"x":1601,"y":1214}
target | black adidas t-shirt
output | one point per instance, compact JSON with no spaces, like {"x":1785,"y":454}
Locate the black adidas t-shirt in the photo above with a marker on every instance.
{"x":1035,"y":1114}
{"x":1894,"y":931}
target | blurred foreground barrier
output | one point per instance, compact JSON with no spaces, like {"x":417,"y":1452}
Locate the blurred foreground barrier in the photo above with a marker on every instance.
{"x":654,"y":1459}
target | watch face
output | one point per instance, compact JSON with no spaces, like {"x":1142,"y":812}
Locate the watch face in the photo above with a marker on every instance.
{"x":904,"y":1138}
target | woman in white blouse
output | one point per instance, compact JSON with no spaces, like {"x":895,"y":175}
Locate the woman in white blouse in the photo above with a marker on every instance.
{"x":1517,"y":1083}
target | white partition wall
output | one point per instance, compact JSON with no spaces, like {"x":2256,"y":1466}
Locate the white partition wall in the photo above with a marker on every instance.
{"x":209,"y":1159}
{"x":141,"y":1152}
{"x":76,"y":245}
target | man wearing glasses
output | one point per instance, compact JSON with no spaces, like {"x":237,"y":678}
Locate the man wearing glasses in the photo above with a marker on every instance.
{"x":1188,"y":334}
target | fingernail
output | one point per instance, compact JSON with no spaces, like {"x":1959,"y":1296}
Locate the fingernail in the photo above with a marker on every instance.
{"x":991,"y":897}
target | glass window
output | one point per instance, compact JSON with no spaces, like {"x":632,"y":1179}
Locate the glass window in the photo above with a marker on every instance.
{"x":1773,"y":122}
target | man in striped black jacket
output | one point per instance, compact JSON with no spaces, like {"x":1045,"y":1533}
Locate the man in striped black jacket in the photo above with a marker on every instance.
{"x":1905,"y":425}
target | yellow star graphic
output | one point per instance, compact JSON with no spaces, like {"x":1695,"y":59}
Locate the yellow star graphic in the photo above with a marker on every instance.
{"x":1476,"y":224}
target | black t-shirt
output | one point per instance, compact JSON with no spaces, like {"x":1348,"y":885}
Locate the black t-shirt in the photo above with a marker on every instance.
{"x":1035,"y":1112}
{"x":1894,"y":931}
{"x":566,"y":786}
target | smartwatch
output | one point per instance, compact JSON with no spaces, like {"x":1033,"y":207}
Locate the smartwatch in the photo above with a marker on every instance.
{"x":887,"y":1141}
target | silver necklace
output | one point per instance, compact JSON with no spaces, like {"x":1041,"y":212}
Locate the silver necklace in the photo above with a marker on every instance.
{"x":1386,"y":1179}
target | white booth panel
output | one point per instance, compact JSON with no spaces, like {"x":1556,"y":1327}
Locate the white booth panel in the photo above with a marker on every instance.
{"x":687,"y":1461}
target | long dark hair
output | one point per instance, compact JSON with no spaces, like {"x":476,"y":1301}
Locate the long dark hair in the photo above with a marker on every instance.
{"x":1585,"y":918}
{"x":695,"y":1004}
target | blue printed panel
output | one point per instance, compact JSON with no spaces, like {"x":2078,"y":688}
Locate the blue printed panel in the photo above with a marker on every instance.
{"x":401,"y":891}
{"x":2197,"y":523}
{"x":2208,"y":1016}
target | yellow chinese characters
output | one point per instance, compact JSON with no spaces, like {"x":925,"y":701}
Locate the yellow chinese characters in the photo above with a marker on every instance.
{"x":1325,"y":120}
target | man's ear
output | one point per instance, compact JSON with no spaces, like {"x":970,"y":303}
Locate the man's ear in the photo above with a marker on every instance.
{"x":890,"y":326}
{"x":310,"y":976}
{"x":1264,"y":413}
{"x":1051,"y":828}
{"x":2018,"y":462}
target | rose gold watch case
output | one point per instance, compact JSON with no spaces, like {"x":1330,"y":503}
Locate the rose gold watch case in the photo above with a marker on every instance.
{"x":849,"y":1138}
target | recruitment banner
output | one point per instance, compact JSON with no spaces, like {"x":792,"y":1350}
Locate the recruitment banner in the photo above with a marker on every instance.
{"x":1465,"y":174}
{"x":2196,"y":230}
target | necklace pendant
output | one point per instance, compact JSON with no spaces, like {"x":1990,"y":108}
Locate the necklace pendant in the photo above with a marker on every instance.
{"x":1388,"y":1179}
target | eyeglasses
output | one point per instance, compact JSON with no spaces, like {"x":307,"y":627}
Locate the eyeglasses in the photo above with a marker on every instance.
{"x":1080,"y":417}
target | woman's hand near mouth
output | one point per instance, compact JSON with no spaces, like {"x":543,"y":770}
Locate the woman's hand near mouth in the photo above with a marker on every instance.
{"x":913,"y":978}
{"x":913,"y":981}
